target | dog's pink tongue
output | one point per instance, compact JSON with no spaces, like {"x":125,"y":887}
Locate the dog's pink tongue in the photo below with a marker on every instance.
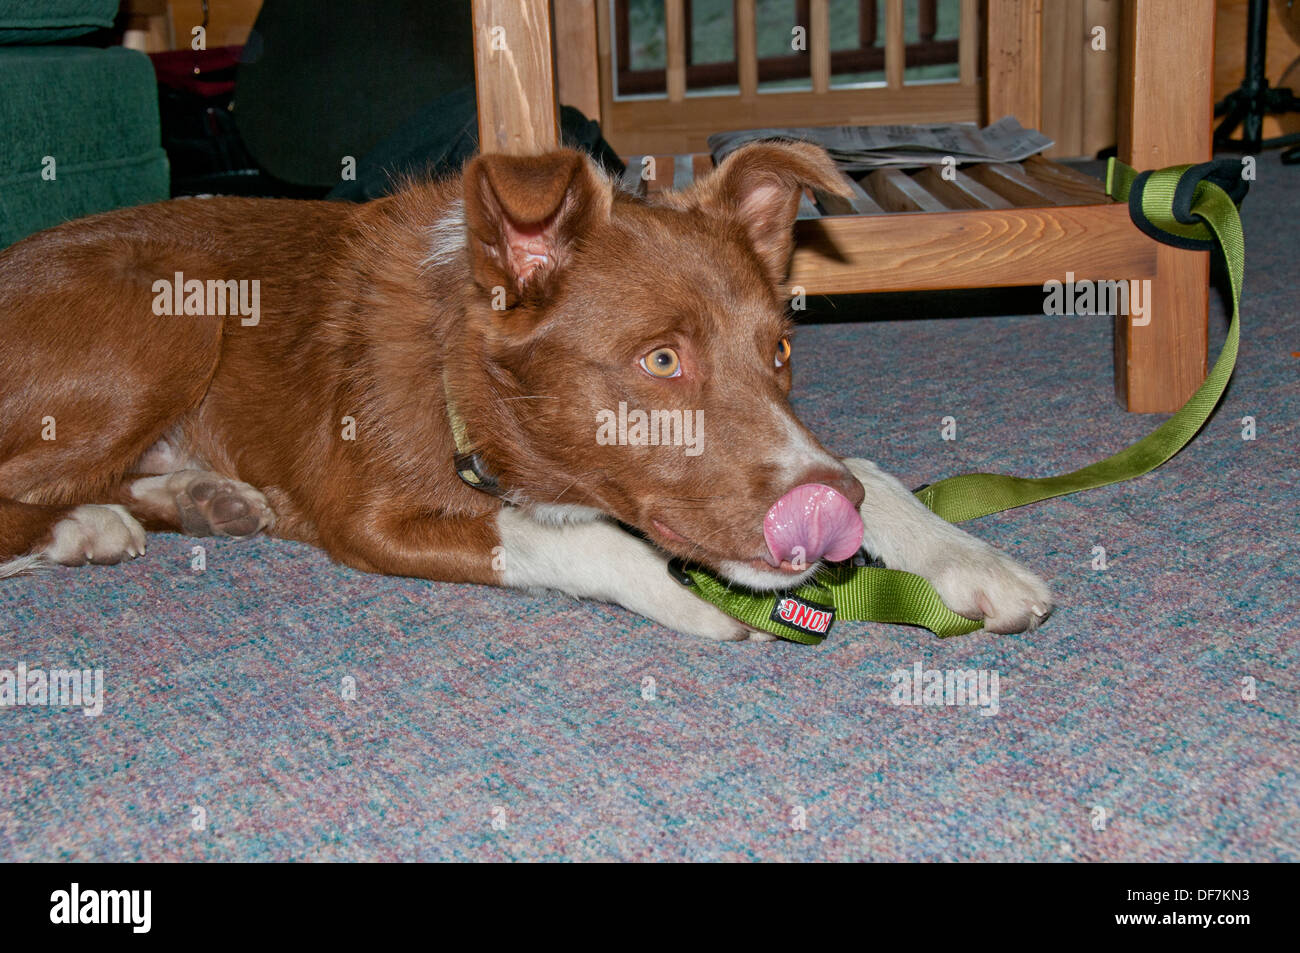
{"x":812,"y":522}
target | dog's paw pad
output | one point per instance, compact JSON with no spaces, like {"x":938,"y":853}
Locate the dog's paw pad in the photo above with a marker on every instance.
{"x":210,"y":506}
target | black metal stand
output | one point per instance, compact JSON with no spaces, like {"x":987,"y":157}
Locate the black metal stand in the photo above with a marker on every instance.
{"x":1248,"y":104}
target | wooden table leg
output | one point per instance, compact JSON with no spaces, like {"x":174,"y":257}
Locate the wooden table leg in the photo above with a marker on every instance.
{"x":1165,"y":118}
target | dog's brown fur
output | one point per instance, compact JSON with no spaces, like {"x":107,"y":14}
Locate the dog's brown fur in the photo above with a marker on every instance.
{"x":362,"y":308}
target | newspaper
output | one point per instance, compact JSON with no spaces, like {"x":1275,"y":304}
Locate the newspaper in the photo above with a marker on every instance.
{"x":861,"y":148}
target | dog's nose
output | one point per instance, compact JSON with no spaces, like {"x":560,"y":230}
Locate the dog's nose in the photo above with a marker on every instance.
{"x":840,"y":480}
{"x":811,"y":522}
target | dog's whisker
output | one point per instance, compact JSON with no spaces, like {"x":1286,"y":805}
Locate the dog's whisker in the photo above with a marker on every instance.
{"x":698,"y":545}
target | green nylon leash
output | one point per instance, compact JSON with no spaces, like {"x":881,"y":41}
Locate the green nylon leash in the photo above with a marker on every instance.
{"x":1189,"y":206}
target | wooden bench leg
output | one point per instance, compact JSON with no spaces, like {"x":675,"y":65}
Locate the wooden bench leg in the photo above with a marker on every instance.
{"x":1165,"y":113}
{"x":514,"y":77}
{"x":1160,"y":364}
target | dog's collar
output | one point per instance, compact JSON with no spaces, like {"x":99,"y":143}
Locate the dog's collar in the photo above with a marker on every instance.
{"x":469,"y":463}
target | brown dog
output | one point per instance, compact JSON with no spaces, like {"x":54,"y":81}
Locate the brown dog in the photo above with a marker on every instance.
{"x":226,"y":366}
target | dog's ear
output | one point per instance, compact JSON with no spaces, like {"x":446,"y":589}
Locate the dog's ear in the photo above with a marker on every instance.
{"x":760,"y":184}
{"x":525,"y":214}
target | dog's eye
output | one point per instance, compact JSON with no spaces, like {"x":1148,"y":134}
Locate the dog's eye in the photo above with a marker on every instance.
{"x":782,"y":352}
{"x":662,"y":362}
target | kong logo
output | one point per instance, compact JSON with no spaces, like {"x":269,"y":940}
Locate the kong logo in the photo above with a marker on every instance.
{"x":810,"y":617}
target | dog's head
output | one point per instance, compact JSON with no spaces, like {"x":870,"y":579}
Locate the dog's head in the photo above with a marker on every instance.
{"x":637,"y":357}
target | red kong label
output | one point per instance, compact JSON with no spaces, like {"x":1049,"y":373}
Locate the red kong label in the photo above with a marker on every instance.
{"x":810,"y":617}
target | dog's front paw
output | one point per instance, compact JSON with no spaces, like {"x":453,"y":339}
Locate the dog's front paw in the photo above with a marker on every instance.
{"x":674,"y":606}
{"x":707,"y":621}
{"x":979,"y":582}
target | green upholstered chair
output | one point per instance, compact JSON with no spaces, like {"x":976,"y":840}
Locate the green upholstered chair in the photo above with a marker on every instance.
{"x":78,"y":124}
